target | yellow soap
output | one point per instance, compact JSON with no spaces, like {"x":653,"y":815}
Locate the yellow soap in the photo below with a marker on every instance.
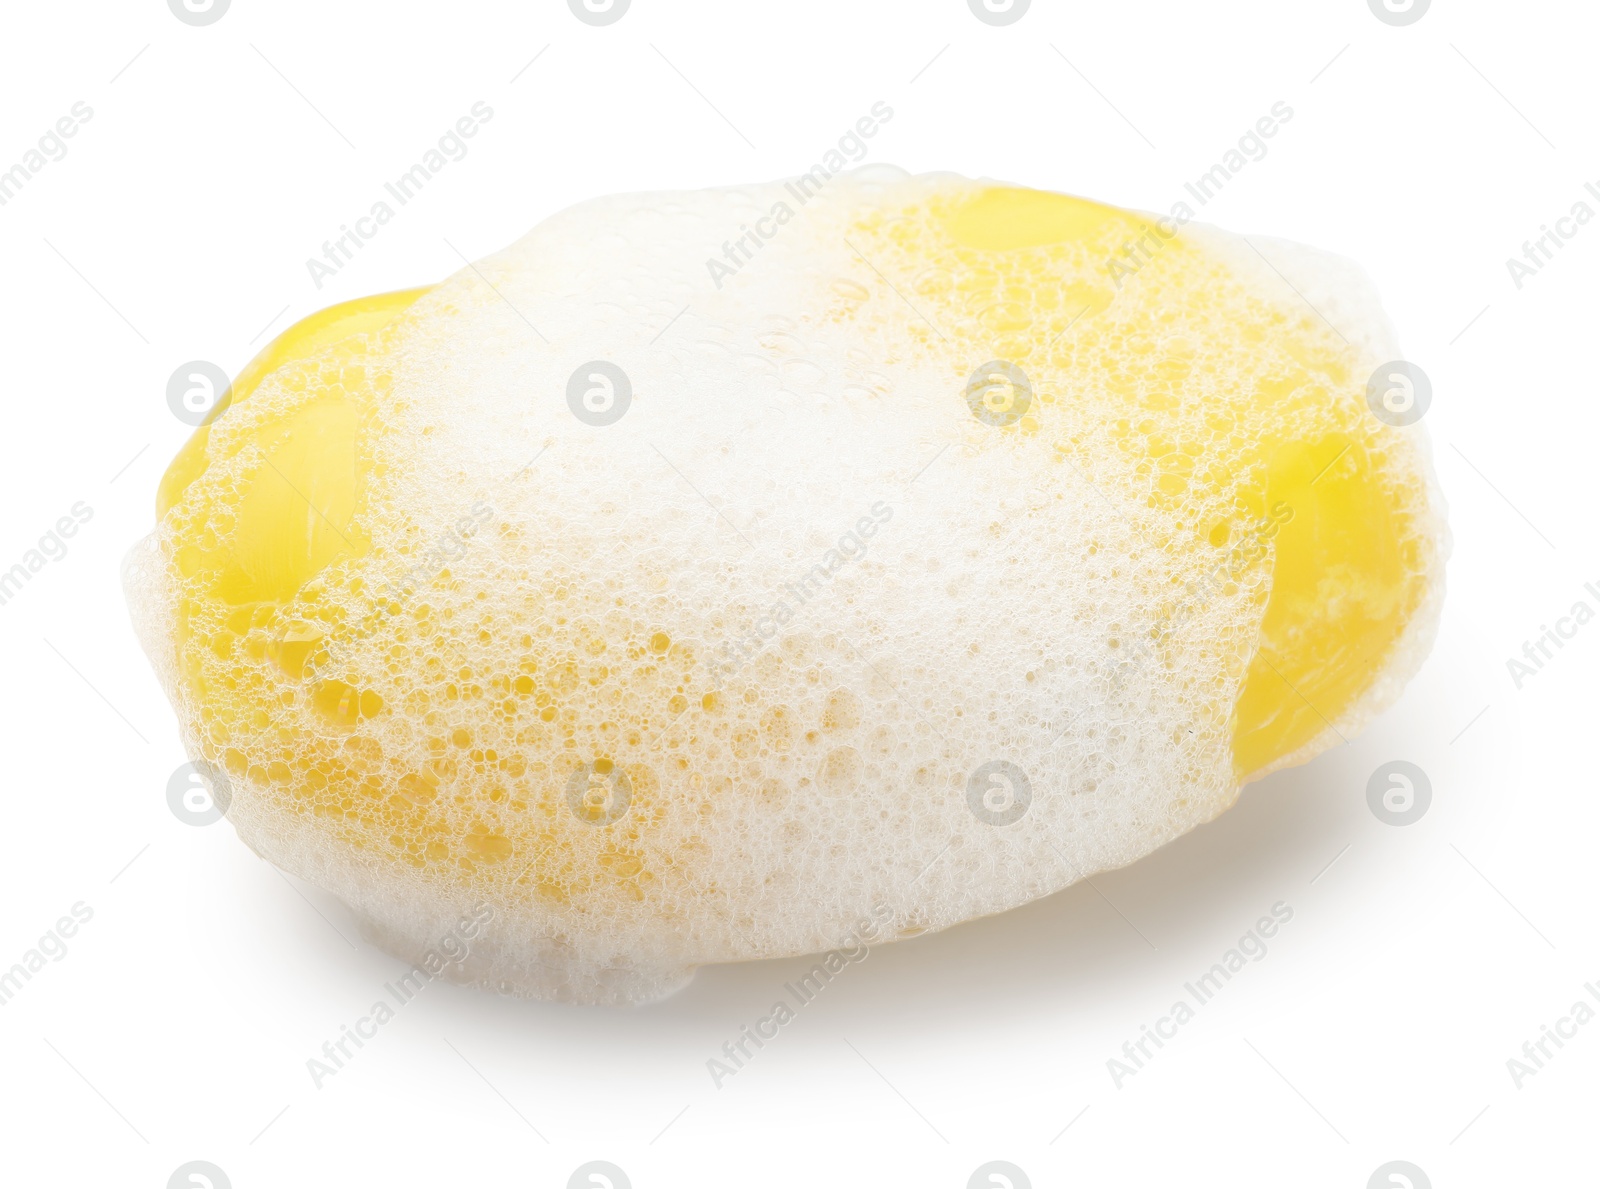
{"x":1173,"y":551}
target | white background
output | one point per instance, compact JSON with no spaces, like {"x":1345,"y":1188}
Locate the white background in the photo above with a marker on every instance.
{"x":1379,"y":1025}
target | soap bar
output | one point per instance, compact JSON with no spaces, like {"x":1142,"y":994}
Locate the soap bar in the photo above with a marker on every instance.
{"x":709,"y":575}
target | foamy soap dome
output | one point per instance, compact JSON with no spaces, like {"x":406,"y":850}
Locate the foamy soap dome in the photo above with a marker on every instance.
{"x":708,"y":573}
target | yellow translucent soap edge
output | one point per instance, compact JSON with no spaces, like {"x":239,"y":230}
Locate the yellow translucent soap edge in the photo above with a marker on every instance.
{"x":1341,"y":592}
{"x":1335,"y":611}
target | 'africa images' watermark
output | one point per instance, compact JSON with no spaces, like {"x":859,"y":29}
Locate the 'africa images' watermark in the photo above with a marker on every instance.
{"x":1252,"y":947}
{"x":1245,"y":551}
{"x":50,"y":147}
{"x":452,"y":146}
{"x":848,"y":149}
{"x":1399,"y":13}
{"x":735,"y":654}
{"x":53,"y":945}
{"x":51,"y":547}
{"x":1536,"y":1053}
{"x":1541,"y":251}
{"x":852,"y":949}
{"x":198,"y":1174}
{"x":1538,"y":652}
{"x":999,"y":793}
{"x":1399,"y":393}
{"x":391,"y":593}
{"x":599,"y":393}
{"x":1399,"y":793}
{"x":199,"y":13}
{"x":451,"y":950}
{"x":1252,"y":146}
{"x":198,"y":392}
{"x":599,"y":12}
